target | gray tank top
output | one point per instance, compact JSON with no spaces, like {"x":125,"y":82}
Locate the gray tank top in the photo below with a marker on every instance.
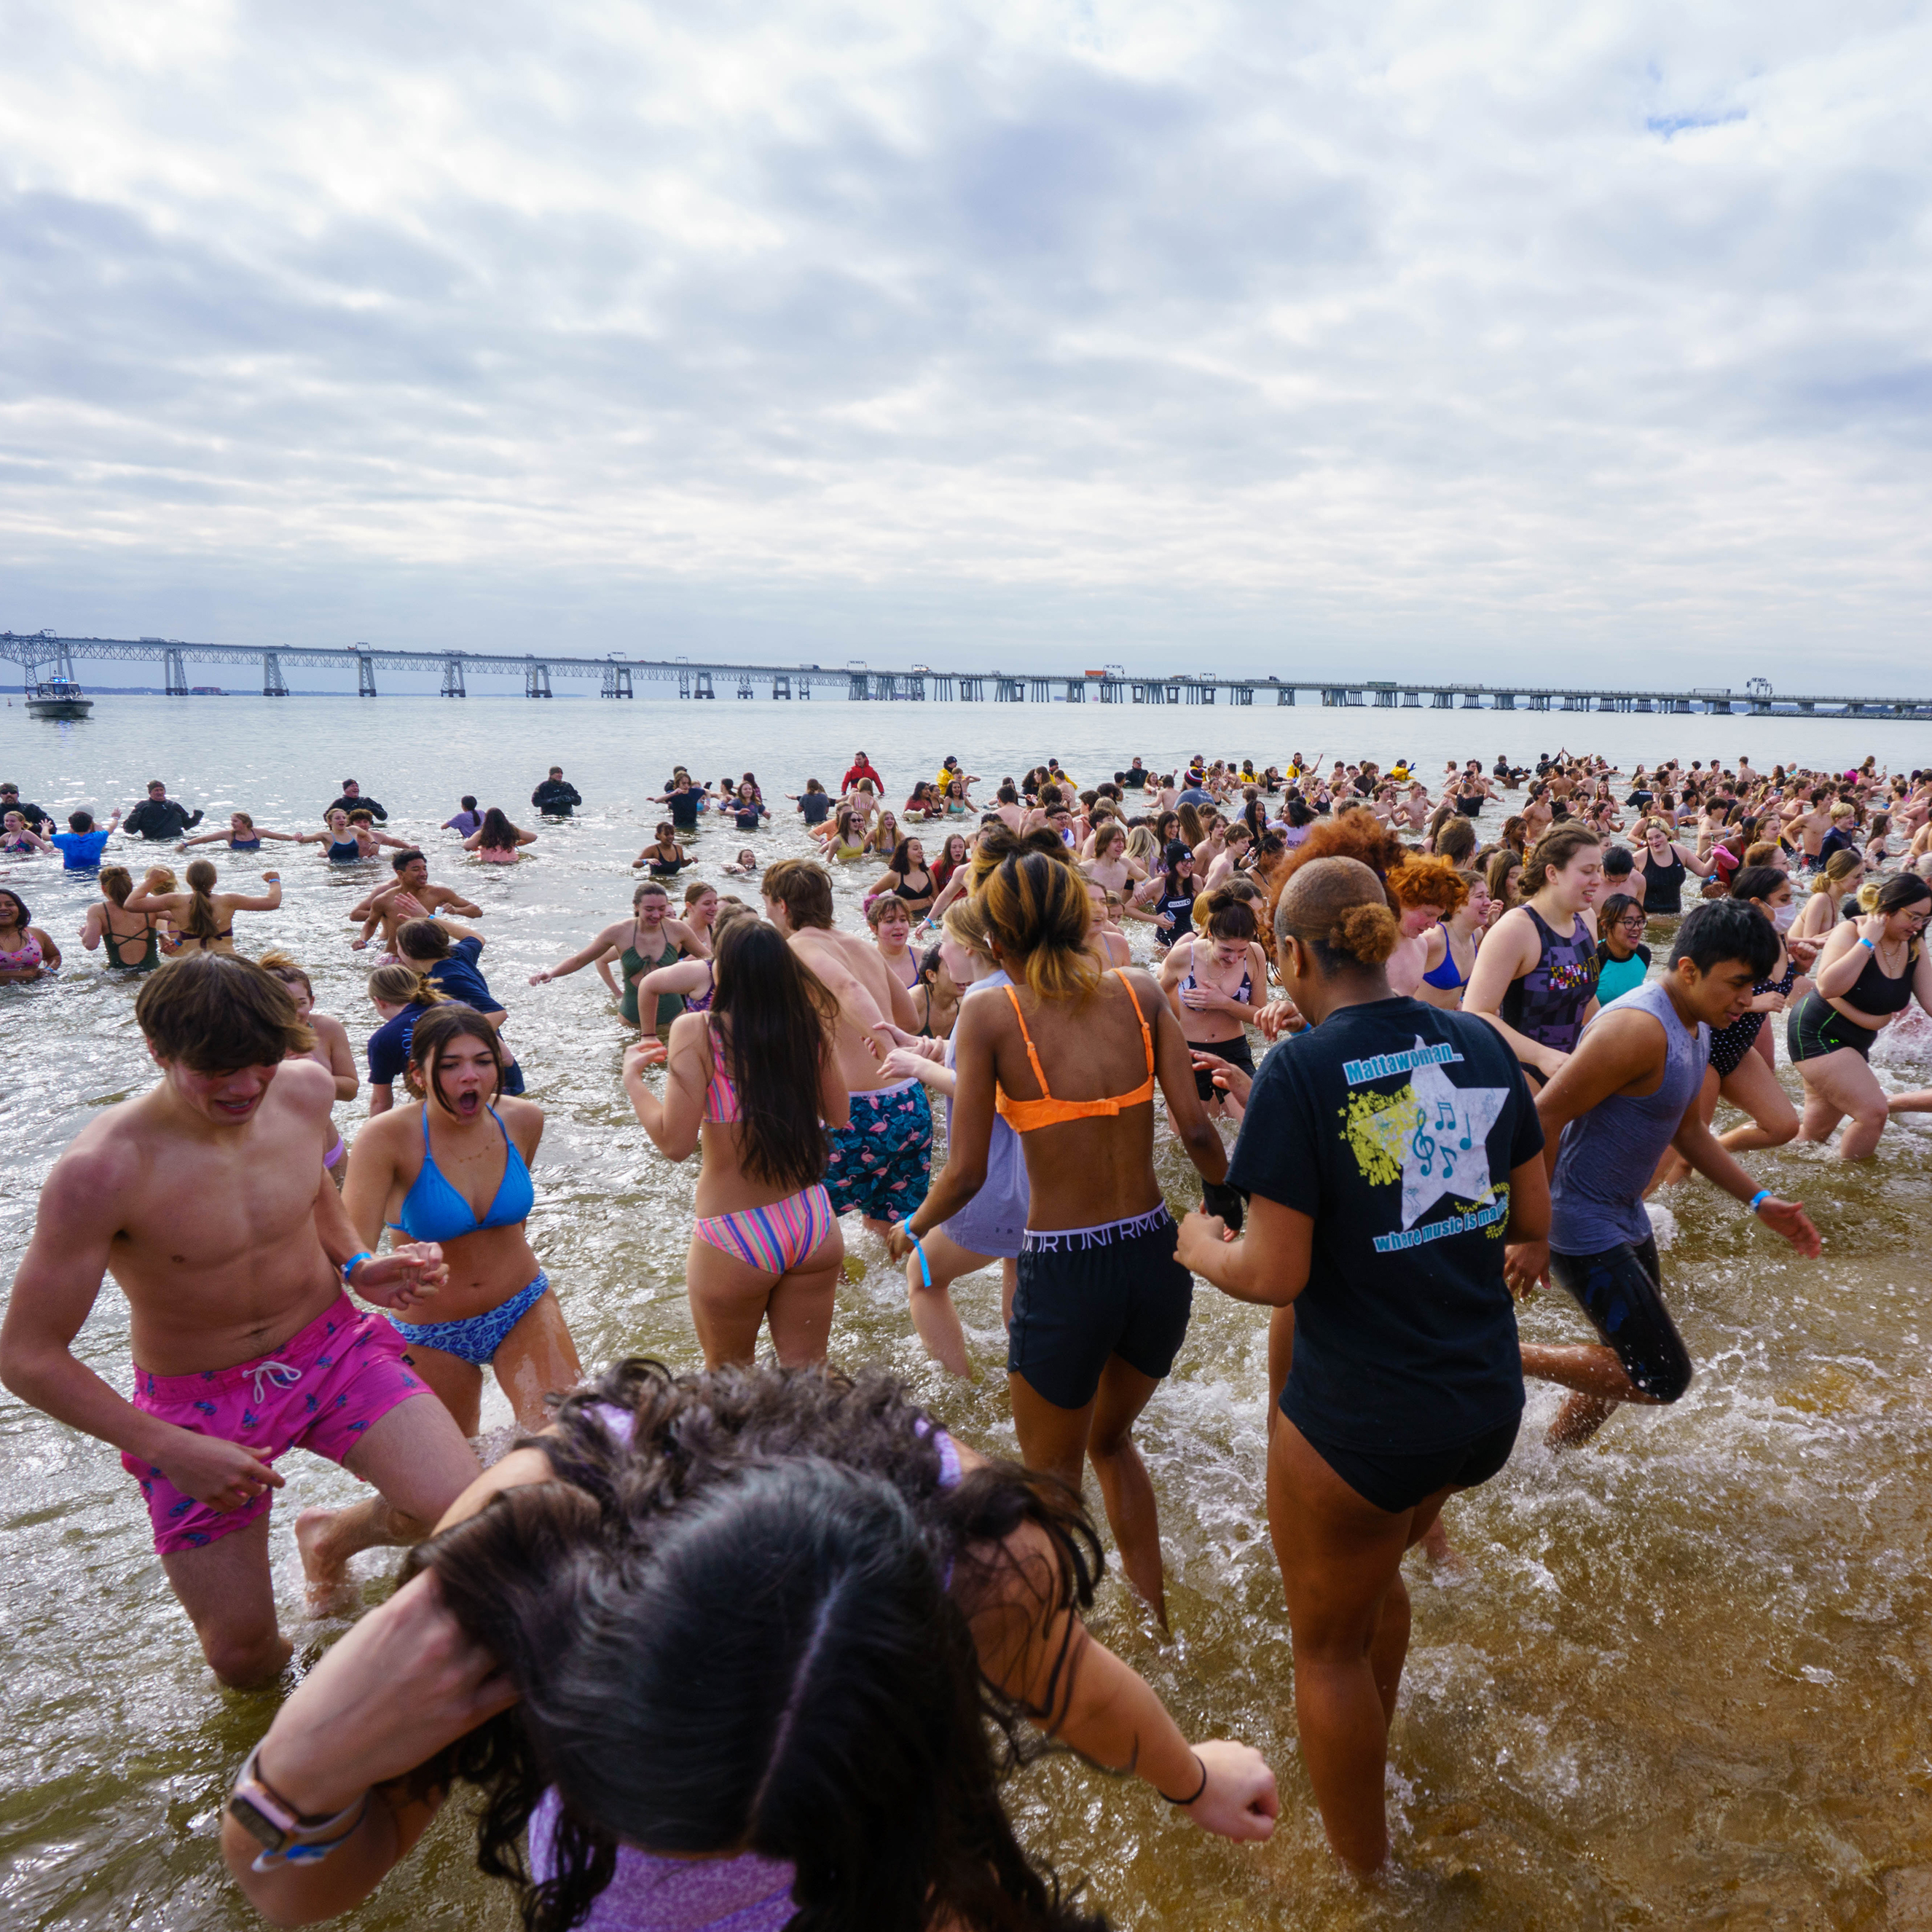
{"x":1606,"y":1158}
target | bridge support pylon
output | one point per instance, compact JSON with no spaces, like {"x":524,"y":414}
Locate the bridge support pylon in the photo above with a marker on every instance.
{"x":453,"y":685}
{"x":272,"y":685}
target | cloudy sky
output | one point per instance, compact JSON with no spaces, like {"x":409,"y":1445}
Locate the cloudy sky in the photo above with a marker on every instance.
{"x":1523,"y":338}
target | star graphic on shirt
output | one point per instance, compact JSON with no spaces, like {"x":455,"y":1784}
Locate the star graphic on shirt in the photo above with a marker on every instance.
{"x":1447,"y":1151}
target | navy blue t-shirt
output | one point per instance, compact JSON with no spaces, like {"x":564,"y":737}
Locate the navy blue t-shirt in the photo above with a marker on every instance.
{"x":389,"y":1046}
{"x":682,"y":806}
{"x":459,"y":977}
{"x":814,"y":807}
{"x":1394,"y":1127}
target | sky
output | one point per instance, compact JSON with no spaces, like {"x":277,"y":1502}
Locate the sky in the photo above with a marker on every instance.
{"x":1529,"y":340}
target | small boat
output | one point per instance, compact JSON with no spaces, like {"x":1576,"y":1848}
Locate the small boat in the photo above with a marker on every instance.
{"x":57,"y":697}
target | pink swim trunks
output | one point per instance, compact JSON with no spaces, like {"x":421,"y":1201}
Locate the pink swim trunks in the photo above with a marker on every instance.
{"x":318,"y":1391}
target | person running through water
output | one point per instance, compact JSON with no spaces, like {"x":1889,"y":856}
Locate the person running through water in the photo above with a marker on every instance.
{"x":750,"y":1080}
{"x":1407,"y":1383}
{"x":881,"y":1157}
{"x":1535,"y":980}
{"x":132,"y":939}
{"x":992,"y":1225}
{"x":1101,"y":1306}
{"x":1868,"y":974}
{"x":206,"y":1197}
{"x":410,"y":895}
{"x":1659,"y":868}
{"x":202,"y":919}
{"x":649,"y":939}
{"x":795,"y":1571}
{"x":453,"y":1167}
{"x":1628,"y":1091}
{"x":1217,"y":981}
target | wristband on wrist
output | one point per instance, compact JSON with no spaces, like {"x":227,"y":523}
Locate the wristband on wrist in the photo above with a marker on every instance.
{"x":1866,"y":944}
{"x":1758,"y":1199}
{"x":1184,"y":1802}
{"x":355,"y":1261}
{"x":286,"y":1836}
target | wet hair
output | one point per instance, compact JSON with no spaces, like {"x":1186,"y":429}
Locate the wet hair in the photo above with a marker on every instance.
{"x":1456,"y":843}
{"x":876,"y":909}
{"x":1758,"y":882}
{"x":19,"y":906}
{"x":410,"y":853}
{"x":286,"y":967}
{"x":1337,"y":908}
{"x":362,"y":816}
{"x":399,"y":985}
{"x":203,"y":922}
{"x":929,"y":963}
{"x":116,"y":883}
{"x":422,"y":939}
{"x":496,"y":834}
{"x":432,"y":1037}
{"x":214,"y":1012}
{"x":901,"y":857}
{"x":1231,"y":918}
{"x":804,"y":890}
{"x":1838,"y":868}
{"x":80,"y":821}
{"x":1420,"y":880}
{"x":1036,"y":907}
{"x":468,"y":802}
{"x":1619,"y":861}
{"x":1552,"y":853}
{"x":737,"y":1630}
{"x":1715,"y":930}
{"x":778,"y":1018}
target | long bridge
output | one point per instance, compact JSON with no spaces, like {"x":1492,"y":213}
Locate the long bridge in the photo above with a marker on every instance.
{"x":618,"y":676}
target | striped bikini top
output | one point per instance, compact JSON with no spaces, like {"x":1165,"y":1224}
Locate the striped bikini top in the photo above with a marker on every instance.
{"x":1024,"y":1117}
{"x":721,"y":1091}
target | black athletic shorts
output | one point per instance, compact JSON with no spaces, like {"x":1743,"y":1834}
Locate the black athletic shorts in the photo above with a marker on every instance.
{"x":1622,"y":1291}
{"x":1814,"y":1028}
{"x":1399,"y":1483}
{"x":1236,"y":1052}
{"x":1086,"y":1294}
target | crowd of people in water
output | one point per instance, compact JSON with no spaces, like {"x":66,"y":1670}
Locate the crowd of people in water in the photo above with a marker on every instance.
{"x":754,"y":1641}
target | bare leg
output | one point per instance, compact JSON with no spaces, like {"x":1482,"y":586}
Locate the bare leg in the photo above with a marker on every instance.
{"x":802,"y":1304}
{"x":730,"y":1300}
{"x":459,"y":1384}
{"x":1751,"y":1085}
{"x":229,"y":1596}
{"x":535,"y":1359}
{"x":1838,"y":1084}
{"x":1598,"y":1378}
{"x":417,"y":1459}
{"x":1125,"y":1487}
{"x":1341,"y":1560}
{"x":933,"y":1314}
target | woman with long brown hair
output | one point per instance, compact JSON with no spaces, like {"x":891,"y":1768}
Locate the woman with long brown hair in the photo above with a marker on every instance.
{"x":753,"y":1080}
{"x":132,"y":940}
{"x":1070,"y":1057}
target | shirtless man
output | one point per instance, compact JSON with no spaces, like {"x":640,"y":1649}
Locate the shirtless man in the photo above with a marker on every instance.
{"x":408,"y":895}
{"x":206,"y":1198}
{"x":1807,"y":817}
{"x":880,"y":1162}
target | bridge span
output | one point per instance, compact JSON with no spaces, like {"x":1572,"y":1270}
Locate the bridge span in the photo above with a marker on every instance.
{"x":700,"y":679}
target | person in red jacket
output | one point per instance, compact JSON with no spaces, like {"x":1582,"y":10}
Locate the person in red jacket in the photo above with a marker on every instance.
{"x":862,"y":768}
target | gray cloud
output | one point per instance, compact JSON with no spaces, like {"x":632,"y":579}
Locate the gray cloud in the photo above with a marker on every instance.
{"x":1248,"y":330}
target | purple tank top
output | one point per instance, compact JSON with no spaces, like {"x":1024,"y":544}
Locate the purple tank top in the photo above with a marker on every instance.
{"x":650,"y":1893}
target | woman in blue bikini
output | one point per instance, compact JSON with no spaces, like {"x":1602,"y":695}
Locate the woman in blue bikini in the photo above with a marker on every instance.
{"x":454,"y":1168}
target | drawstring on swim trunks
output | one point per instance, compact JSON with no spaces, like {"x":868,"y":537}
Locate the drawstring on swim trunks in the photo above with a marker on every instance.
{"x":280,"y":1375}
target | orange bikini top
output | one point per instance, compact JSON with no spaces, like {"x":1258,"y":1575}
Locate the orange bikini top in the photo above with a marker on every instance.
{"x":1023,"y":1116}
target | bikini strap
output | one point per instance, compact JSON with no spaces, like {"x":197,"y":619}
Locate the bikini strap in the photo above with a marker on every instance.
{"x":1146,"y":1032}
{"x":1045,"y":1091}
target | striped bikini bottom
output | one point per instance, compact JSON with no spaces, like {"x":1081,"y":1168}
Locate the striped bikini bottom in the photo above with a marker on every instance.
{"x":773,"y":1238}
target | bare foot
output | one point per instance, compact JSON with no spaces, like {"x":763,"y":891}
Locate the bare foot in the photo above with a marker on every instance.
{"x":1578,"y":1420}
{"x":1437,"y":1547}
{"x":330,"y":1594}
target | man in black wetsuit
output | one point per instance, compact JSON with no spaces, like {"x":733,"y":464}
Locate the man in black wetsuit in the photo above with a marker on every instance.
{"x":553,"y":797}
{"x":158,"y":817}
{"x":352,"y":800}
{"x":10,"y":800}
{"x":1134,"y":777}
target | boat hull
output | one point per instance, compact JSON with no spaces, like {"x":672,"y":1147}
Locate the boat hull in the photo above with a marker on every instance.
{"x":59,"y":707}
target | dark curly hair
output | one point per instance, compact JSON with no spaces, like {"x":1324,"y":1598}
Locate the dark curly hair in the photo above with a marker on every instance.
{"x":737,"y":1620}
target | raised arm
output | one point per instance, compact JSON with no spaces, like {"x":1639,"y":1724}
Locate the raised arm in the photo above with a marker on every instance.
{"x":673,"y":1123}
{"x":256,"y":901}
{"x":1173,"y":1068}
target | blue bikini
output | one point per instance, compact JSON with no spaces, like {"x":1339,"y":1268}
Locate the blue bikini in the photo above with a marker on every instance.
{"x":344,"y":852}
{"x":434,"y":1211}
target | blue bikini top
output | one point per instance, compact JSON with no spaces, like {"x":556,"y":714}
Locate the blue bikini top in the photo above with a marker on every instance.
{"x":432,"y":1211}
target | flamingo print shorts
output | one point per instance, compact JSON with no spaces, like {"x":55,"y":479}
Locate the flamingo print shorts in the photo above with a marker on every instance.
{"x":880,"y":1163}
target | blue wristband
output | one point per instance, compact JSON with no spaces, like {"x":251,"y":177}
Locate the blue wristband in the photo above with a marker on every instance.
{"x":919,"y":1249}
{"x":1866,"y":944}
{"x":1758,"y":1199}
{"x":355,"y":1261}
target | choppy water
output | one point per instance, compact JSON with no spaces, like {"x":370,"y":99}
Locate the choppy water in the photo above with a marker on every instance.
{"x":1681,"y":1680}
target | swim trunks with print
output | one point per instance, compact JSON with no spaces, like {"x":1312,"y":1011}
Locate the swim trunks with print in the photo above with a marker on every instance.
{"x":880,"y":1163}
{"x":320,"y":1390}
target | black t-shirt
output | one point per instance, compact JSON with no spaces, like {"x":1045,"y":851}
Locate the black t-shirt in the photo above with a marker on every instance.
{"x":1135,"y":780}
{"x":1395,"y":1126}
{"x":346,"y":804}
{"x":158,"y":818}
{"x":682,"y":806}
